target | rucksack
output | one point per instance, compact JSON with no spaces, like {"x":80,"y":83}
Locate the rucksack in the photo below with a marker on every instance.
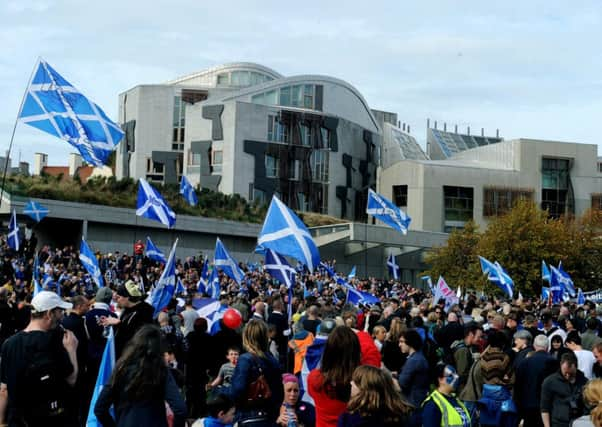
{"x":449,"y":355}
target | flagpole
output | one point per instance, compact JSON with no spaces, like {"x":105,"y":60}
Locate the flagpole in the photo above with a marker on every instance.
{"x":12,"y":137}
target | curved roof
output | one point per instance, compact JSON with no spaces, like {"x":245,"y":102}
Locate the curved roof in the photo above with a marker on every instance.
{"x":304,"y":78}
{"x":246,"y":66}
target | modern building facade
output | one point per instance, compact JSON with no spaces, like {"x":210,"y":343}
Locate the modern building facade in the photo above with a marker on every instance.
{"x":244,"y":128}
{"x":484,"y":182}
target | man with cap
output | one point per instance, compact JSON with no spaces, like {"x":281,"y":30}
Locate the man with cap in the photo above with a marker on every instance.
{"x":135,"y":313}
{"x":39,"y":364}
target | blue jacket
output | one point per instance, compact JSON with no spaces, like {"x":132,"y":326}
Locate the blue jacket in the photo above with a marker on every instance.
{"x":497,"y":406}
{"x":414,"y":378}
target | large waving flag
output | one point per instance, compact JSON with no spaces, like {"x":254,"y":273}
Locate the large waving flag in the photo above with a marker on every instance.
{"x":331,"y":273}
{"x":151,"y":205}
{"x":281,"y":270}
{"x":566,"y":280}
{"x":153,"y":252}
{"x":55,"y":106}
{"x":13,"y":232}
{"x":385,"y":211}
{"x":285,"y":233}
{"x":166,"y":286}
{"x":545,"y":272}
{"x":356,"y":297}
{"x":90,"y":263}
{"x":223,"y":260}
{"x":187,"y":191}
{"x":393,"y":267}
{"x":35,"y":211}
{"x":443,"y":291}
{"x":107,"y":365}
{"x":497,"y":275}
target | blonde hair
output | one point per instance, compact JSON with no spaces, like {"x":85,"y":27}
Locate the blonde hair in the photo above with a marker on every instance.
{"x":255,"y":337}
{"x":592,"y":394}
{"x":378,"y":328}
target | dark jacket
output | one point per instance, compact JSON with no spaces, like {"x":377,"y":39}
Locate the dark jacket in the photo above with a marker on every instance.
{"x":530,"y":374}
{"x":132,"y":319}
{"x":558,"y":395}
{"x":142,"y":413}
{"x":414,"y":378}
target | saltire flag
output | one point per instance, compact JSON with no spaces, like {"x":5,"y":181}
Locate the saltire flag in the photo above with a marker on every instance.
{"x":356,"y":297}
{"x":285,"y":234}
{"x":153,"y":252}
{"x":107,"y":365}
{"x":443,"y":291}
{"x":213,"y":286}
{"x":392,"y":267}
{"x":545,"y":293}
{"x":339,"y":280}
{"x":228,"y":265}
{"x":37,"y":288}
{"x":429,"y":282}
{"x":385,"y":211}
{"x":545,"y":272}
{"x":281,"y":270}
{"x":55,"y":106}
{"x":213,"y":311}
{"x":180,"y":288}
{"x":556,"y":287}
{"x":13,"y":233}
{"x":90,"y":263}
{"x":203,"y":280}
{"x":497,"y":275}
{"x":35,"y":211}
{"x":566,"y":280}
{"x":166,"y":285}
{"x":351,"y":274}
{"x":580,"y":297}
{"x":187,"y":191}
{"x":150,"y":204}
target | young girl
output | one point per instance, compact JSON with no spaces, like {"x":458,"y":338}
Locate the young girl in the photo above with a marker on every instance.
{"x":379,"y":333}
{"x":374,"y":401}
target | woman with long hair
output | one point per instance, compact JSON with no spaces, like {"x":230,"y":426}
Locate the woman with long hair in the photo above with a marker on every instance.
{"x":330,"y":384}
{"x":140,"y":385}
{"x":592,"y":397}
{"x":393,"y":358}
{"x":374,"y":400}
{"x":256,"y":387}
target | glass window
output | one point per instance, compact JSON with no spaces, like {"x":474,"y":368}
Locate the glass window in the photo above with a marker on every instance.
{"x":308,"y":96}
{"x":319,"y":165}
{"x":271,"y":98}
{"x":325,"y":134}
{"x":216,"y":161}
{"x":306,"y":135}
{"x":303,"y":204}
{"x":458,"y":202}
{"x":271,"y":167}
{"x":223,"y":79}
{"x":259,"y":197}
{"x":297,"y":100}
{"x":258,"y":99}
{"x":400,"y":195}
{"x":285,"y":96}
{"x":194,"y":159}
{"x":499,"y":201}
{"x":240,"y":78}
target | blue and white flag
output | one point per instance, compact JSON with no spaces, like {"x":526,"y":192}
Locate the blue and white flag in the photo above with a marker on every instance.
{"x":226,"y":263}
{"x":37,"y":288}
{"x":214,"y":285}
{"x":393,"y":267}
{"x":281,"y":270}
{"x":497,"y":275}
{"x":351,"y":274}
{"x":13,"y":233}
{"x":545,"y":272}
{"x":580,"y":297}
{"x":151,"y":205}
{"x":311,"y":361}
{"x":153,"y":252}
{"x":107,"y":365}
{"x":285,"y":233}
{"x":166,"y":286}
{"x":556,"y":287}
{"x":55,"y":106}
{"x":212,"y":310}
{"x":331,"y":273}
{"x":356,"y":297}
{"x":429,"y":282}
{"x":203,"y":280}
{"x":187,"y":191}
{"x":90,"y":263}
{"x":385,"y":211}
{"x":180,"y":288}
{"x":566,"y":281}
{"x":545,"y":293}
{"x":35,"y":211}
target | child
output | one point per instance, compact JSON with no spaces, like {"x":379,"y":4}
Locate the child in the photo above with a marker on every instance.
{"x":379,"y":333}
{"x":221,"y":413}
{"x":224,"y":377}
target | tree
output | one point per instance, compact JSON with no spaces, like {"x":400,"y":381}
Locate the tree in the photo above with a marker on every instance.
{"x":586,"y":248}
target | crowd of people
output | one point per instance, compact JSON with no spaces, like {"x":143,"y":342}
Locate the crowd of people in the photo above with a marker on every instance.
{"x":405,"y":361}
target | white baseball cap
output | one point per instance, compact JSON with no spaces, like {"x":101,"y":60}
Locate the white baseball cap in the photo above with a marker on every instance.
{"x":46,"y":300}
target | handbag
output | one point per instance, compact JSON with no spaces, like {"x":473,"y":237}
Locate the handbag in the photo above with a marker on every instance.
{"x":259,"y":390}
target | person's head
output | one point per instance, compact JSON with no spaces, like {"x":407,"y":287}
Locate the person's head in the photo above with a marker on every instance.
{"x":128,"y":295}
{"x":48,"y":309}
{"x":350,"y":319}
{"x":541,"y":343}
{"x":447,"y":378}
{"x":260,"y":307}
{"x":512,"y":320}
{"x":313,"y":312}
{"x":573,"y":340}
{"x":163,"y":319}
{"x":592,"y":397}
{"x":498,"y":322}
{"x":597,"y":350}
{"x":410,"y":341}
{"x":142,"y":364}
{"x":255,"y":337}
{"x":341,"y":356}
{"x":104,"y":295}
{"x":277,"y":305}
{"x":396,"y":329}
{"x":221,"y":408}
{"x":497,"y":339}
{"x":325,"y":327}
{"x":592,"y":324}
{"x":452,"y":317}
{"x":379,"y":333}
{"x":556,"y":342}
{"x":568,"y":366}
{"x":232,"y":354}
{"x":522,"y":339}
{"x":272,"y":331}
{"x":291,"y":389}
{"x":472,"y":333}
{"x":373,"y":392}
{"x":200,"y":325}
{"x":80,"y":304}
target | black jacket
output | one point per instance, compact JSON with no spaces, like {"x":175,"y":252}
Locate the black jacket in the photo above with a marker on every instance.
{"x":558,"y":396}
{"x":530,"y":373}
{"x":132,"y":319}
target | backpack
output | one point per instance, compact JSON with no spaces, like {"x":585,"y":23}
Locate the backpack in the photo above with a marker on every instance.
{"x":258,"y":391}
{"x":449,"y":355}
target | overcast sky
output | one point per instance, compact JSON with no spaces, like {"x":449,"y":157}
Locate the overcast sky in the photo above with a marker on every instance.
{"x":532,"y":69}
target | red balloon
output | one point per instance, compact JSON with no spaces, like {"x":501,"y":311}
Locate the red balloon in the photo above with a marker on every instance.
{"x":232,"y":318}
